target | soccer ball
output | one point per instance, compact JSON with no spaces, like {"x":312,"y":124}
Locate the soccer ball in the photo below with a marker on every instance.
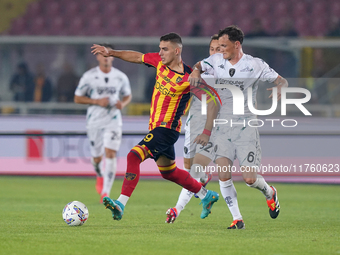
{"x":75,"y":213}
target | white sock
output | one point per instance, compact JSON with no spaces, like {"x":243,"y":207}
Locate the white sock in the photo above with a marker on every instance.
{"x":97,"y":167}
{"x":184,"y":198}
{"x":261,"y":185}
{"x":123,"y":199}
{"x":202,"y":193}
{"x":109,"y":175}
{"x":229,"y":194}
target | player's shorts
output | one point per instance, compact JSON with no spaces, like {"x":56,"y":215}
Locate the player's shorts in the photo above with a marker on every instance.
{"x":100,"y":138}
{"x":238,"y":142}
{"x":194,"y":128}
{"x":160,"y":141}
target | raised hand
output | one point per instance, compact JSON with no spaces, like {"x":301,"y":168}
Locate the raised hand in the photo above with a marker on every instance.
{"x":98,"y":49}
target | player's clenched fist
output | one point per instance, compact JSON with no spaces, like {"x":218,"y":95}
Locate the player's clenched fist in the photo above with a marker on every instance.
{"x":103,"y":102}
{"x":195,"y":78}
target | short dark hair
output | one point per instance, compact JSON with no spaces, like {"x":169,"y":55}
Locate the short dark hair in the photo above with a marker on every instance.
{"x":234,"y":33}
{"x":214,"y":37}
{"x":108,"y":45}
{"x":171,"y":37}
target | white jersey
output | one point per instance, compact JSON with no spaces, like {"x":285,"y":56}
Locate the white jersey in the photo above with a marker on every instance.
{"x":246,"y":73}
{"x":96,"y":84}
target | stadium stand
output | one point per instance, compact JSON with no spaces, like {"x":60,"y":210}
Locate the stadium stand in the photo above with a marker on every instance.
{"x":144,"y":17}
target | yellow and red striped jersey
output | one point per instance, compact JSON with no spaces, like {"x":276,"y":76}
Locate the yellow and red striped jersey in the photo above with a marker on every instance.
{"x":171,"y":94}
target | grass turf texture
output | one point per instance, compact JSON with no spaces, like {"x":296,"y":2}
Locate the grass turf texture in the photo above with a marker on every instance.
{"x":31,"y":220}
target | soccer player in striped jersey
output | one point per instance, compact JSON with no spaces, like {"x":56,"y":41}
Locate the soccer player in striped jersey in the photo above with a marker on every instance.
{"x":170,"y":99}
{"x":194,"y":127}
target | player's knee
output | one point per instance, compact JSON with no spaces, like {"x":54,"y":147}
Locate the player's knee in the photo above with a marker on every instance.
{"x":224,"y":179}
{"x":187,"y":163}
{"x":137,"y":151}
{"x":167,"y":176}
{"x":110,"y":154}
{"x":97,"y":160}
{"x":197,"y":171}
{"x":130,"y":155}
{"x":249,"y":180}
{"x":169,"y":172}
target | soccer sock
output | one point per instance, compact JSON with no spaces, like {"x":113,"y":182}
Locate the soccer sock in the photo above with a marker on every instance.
{"x":229,"y":194}
{"x":261,"y":185}
{"x":184,"y":197}
{"x":183,"y":200}
{"x":109,"y":175}
{"x":181,"y":177}
{"x":202,"y":192}
{"x":123,"y":199}
{"x":134,"y":158}
{"x":97,"y":168}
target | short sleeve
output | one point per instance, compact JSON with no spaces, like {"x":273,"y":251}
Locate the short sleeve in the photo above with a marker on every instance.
{"x":83,"y":87}
{"x":126,"y":89}
{"x":151,"y":59}
{"x":267,"y":73}
{"x":207,"y":65}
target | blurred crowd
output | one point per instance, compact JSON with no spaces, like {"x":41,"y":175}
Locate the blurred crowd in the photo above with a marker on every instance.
{"x":27,"y":86}
{"x":36,"y":86}
{"x":287,"y":29}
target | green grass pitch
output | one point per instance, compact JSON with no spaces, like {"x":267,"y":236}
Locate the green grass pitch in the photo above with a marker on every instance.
{"x":31,"y":220}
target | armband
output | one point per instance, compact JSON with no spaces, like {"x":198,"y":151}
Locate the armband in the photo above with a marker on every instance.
{"x":207,"y":132}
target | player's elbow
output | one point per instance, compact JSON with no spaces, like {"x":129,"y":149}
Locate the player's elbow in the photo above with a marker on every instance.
{"x":76,"y":99}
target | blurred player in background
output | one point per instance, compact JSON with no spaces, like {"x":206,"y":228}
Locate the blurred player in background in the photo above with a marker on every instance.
{"x":169,"y":101}
{"x":102,"y":87}
{"x":194,"y":127}
{"x":240,"y":141}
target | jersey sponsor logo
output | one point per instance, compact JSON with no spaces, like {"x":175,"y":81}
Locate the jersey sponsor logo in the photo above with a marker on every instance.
{"x":165,"y":91}
{"x":167,"y":79}
{"x":247,"y":69}
{"x":232,"y":72}
{"x":106,"y":90}
{"x":236,"y":83}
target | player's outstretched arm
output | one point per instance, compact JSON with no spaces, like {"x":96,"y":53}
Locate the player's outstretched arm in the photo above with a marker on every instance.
{"x":126,"y":55}
{"x":280,"y":82}
{"x":195,"y":76}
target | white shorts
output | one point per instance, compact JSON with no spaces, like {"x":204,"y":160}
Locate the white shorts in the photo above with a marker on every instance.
{"x":193,"y":129}
{"x":100,"y":138}
{"x":238,"y":142}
